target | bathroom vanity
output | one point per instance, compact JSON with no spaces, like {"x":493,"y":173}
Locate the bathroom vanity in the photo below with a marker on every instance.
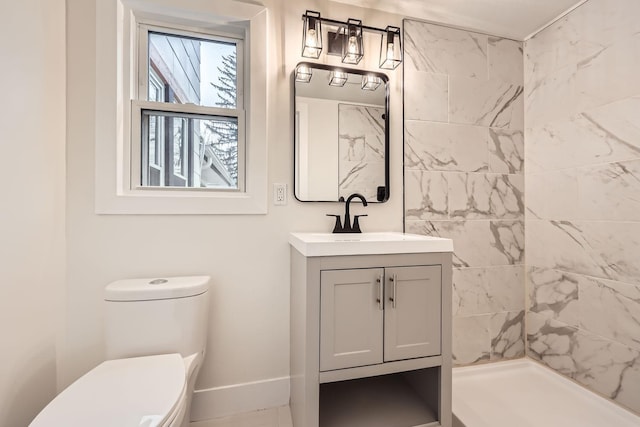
{"x":370,"y":330}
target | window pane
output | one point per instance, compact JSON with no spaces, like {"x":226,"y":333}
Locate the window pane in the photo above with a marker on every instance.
{"x":156,"y":86}
{"x":197,"y":71}
{"x":200,"y":151}
{"x":156,"y":126}
{"x":179,"y":146}
{"x":220,"y":143}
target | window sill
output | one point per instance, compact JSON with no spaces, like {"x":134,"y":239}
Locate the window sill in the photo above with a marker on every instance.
{"x":174,"y":202}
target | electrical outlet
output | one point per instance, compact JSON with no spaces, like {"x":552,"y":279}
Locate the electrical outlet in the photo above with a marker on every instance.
{"x":279,"y":194}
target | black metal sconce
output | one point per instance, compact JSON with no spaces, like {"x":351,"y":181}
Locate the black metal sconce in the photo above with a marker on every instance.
{"x":390,"y":48}
{"x":338,"y":78}
{"x":303,"y":74}
{"x":370,"y":82}
{"x":352,"y":48}
{"x":312,"y":35}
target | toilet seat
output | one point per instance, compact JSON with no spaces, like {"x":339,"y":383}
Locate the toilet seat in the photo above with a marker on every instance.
{"x":145,"y":391}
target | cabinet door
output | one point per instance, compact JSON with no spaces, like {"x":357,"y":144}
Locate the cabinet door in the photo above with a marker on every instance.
{"x":351,"y":318}
{"x":412,"y":312}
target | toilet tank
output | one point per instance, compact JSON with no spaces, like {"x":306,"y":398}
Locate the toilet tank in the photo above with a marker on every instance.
{"x":156,"y":316}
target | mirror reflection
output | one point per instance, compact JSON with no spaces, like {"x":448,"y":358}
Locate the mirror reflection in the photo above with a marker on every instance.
{"x":341,"y":133}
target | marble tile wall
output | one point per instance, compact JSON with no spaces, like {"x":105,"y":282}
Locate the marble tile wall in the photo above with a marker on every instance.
{"x":582,"y":109}
{"x":464,"y":177}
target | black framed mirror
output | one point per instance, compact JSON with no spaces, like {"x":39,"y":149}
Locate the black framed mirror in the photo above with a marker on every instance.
{"x":341,"y":133}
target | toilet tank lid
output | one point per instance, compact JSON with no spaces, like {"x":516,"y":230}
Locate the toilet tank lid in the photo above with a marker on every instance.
{"x":156,"y":288}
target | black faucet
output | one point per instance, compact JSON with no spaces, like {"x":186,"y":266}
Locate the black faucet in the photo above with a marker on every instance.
{"x":347,"y":227}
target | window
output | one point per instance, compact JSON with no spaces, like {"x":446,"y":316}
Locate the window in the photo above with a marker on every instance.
{"x":180,"y":115}
{"x":202,"y":145}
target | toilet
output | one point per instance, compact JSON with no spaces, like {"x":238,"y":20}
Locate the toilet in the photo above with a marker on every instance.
{"x":155,"y":337}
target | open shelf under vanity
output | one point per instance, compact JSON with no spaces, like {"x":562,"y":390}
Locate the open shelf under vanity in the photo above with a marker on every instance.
{"x":403,"y":399}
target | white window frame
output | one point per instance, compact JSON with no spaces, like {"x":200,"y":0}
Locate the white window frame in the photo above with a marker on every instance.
{"x":142,"y":95}
{"x":145,"y":27}
{"x":118,"y":116}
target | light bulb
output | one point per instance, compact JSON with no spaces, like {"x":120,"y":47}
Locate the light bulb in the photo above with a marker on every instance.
{"x":312,"y":38}
{"x":390,"y":51}
{"x":352,"y":48}
{"x":353,"y":45}
{"x":311,"y":43}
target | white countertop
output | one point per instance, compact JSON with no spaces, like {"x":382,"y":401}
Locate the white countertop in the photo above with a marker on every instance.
{"x":329,"y":244}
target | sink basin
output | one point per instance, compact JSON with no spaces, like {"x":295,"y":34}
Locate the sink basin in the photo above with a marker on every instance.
{"x":329,"y":244}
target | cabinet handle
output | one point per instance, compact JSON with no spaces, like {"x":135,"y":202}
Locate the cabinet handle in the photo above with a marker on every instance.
{"x":380,"y":281}
{"x":393,"y":298}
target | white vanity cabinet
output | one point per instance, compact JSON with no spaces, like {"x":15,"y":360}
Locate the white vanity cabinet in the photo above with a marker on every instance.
{"x":376,"y":315}
{"x":370,"y":332}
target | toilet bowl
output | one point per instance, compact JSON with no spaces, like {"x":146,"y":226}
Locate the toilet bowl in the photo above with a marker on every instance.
{"x":155,"y":339}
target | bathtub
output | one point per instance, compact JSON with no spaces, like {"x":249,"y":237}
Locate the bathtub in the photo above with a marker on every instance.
{"x":522,"y":393}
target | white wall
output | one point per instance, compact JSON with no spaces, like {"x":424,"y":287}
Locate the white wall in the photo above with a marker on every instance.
{"x":246,"y":256}
{"x":322,"y":154}
{"x":32,"y":120}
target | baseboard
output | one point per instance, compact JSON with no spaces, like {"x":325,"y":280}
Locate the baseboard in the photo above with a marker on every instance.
{"x":239,"y":398}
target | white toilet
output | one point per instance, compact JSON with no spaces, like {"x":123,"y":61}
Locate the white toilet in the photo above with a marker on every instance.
{"x":155,"y":341}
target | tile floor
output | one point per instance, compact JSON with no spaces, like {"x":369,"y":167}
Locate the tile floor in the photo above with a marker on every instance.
{"x":273,"y":417}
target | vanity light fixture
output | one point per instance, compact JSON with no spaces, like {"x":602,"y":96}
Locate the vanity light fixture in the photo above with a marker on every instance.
{"x":346,"y":40}
{"x":338,"y":78}
{"x":312,"y":35}
{"x":352,"y":49}
{"x":370,"y":82}
{"x":303,"y":74}
{"x":390,"y":48}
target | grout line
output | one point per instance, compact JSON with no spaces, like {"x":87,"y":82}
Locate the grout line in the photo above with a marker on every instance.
{"x":554,"y":20}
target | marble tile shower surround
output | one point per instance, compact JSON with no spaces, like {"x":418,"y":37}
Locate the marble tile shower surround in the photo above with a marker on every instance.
{"x":464,"y":176}
{"x":361,"y":150}
{"x":466,"y":165}
{"x":582,"y":108}
{"x":587,"y":59}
